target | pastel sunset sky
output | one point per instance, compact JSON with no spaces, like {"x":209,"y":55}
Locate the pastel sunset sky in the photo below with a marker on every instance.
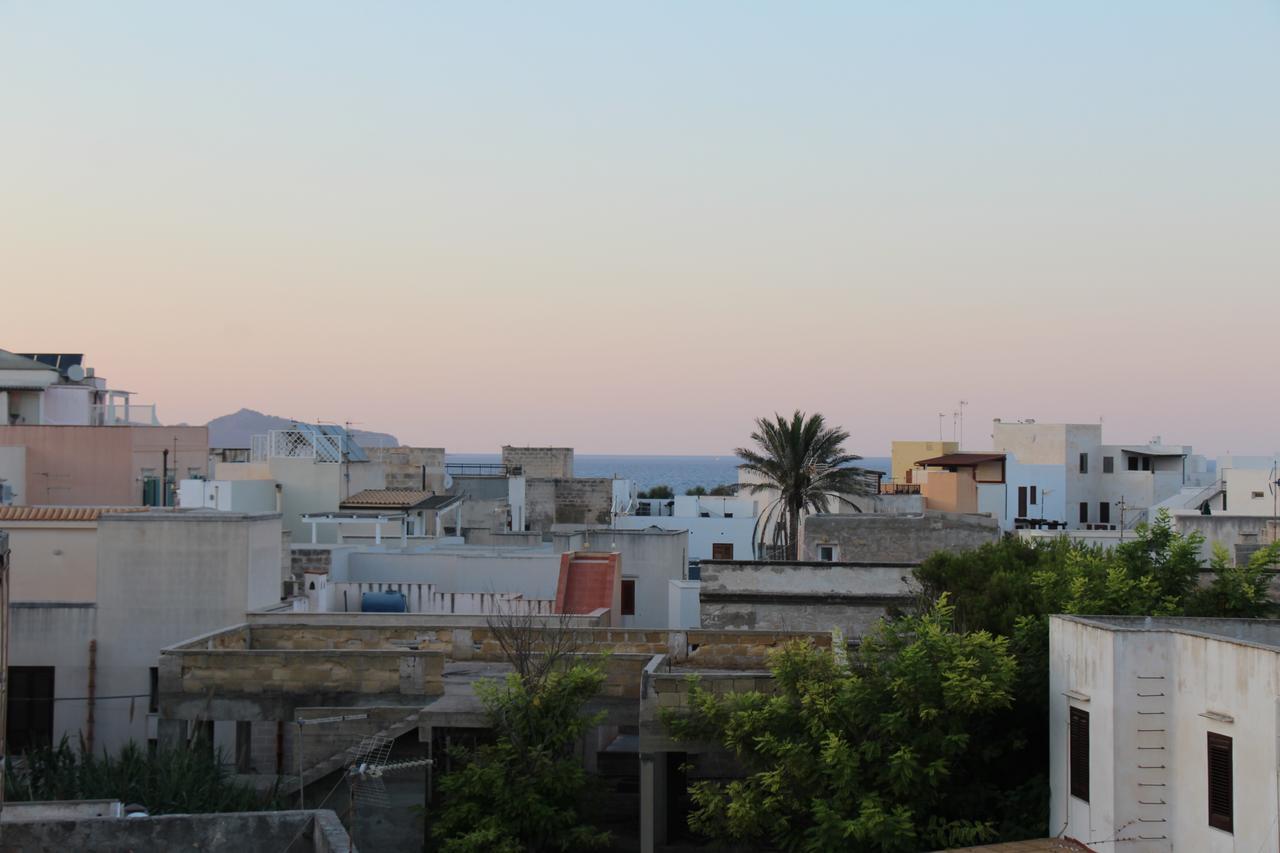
{"x":634,"y":227}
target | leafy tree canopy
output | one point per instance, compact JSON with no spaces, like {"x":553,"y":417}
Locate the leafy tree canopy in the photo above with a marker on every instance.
{"x":523,"y":792}
{"x":869,"y":755}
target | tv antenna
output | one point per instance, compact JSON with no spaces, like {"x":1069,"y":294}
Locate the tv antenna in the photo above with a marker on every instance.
{"x":369,"y":765}
{"x":1273,"y":486}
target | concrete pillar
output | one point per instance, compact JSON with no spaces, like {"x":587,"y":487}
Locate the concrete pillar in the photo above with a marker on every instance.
{"x":653,"y":800}
{"x":171,"y":734}
{"x":244,"y":746}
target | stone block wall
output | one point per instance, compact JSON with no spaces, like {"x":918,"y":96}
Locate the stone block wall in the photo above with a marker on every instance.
{"x":876,"y":537}
{"x":584,"y":500}
{"x":403,"y":467}
{"x":540,"y":462}
{"x":303,"y":560}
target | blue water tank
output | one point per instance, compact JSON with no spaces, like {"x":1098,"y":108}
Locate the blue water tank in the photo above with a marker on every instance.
{"x":383,"y":602}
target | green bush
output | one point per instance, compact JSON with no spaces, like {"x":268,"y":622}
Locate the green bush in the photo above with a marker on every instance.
{"x":178,"y":781}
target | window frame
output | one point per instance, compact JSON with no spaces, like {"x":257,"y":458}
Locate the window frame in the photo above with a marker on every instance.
{"x":628,"y":599}
{"x":1084,"y":512}
{"x":1108,"y":464}
{"x":832,"y":549}
{"x":1084,"y":463}
{"x":1078,"y":753}
{"x":1221,"y":804}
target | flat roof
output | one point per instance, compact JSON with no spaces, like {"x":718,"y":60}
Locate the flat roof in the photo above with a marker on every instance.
{"x":962,"y":459}
{"x":1263,"y":633}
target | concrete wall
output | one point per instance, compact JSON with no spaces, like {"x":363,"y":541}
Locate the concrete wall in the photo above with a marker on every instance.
{"x":13,"y":472}
{"x":703,"y":532}
{"x":531,"y":573}
{"x":1227,"y":530}
{"x":949,"y":491}
{"x":411,"y":467}
{"x":58,"y":634}
{"x":905,"y":454}
{"x":652,"y":558}
{"x":253,"y":832}
{"x":800,"y":596}
{"x":540,"y":462}
{"x":163,"y":577}
{"x":1153,"y":690}
{"x":100,"y":466}
{"x":894,"y":538}
{"x":53,"y":560}
{"x":309,"y":486}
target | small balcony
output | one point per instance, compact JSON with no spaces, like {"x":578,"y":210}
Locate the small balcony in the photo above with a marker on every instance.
{"x":900,"y":488}
{"x":123,"y":414}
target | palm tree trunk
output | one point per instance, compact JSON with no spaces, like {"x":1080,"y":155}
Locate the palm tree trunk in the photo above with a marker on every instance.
{"x":793,"y":533}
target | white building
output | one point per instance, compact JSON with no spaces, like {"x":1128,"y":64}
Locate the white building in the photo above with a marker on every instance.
{"x":96,"y":593}
{"x":1164,"y":733}
{"x":720,"y":528}
{"x":1064,"y":473}
{"x":58,"y":390}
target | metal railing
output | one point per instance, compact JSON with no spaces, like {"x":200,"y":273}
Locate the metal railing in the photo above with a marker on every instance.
{"x":482,"y":469}
{"x":899,"y":488}
{"x":123,"y":414}
{"x":296,"y":444}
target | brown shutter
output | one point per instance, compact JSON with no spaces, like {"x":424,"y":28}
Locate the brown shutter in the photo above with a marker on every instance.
{"x":1079,"y":754}
{"x":1221,"y":794}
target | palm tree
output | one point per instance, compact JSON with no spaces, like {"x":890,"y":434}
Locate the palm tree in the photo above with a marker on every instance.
{"x":804,"y":461}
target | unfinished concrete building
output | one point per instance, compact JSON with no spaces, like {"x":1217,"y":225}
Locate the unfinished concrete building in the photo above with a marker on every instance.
{"x":302,"y":688}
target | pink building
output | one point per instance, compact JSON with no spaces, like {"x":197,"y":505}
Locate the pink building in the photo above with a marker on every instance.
{"x":69,"y":439}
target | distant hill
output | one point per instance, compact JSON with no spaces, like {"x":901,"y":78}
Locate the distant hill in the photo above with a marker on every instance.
{"x":237,"y":429}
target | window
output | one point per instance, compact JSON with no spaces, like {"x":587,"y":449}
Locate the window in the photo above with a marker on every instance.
{"x":1084,"y":512}
{"x":1146,"y":463}
{"x":827,"y":553}
{"x":1221,"y":795}
{"x":1255,"y":494}
{"x":1022,"y":501}
{"x":1078,"y":754}
{"x":1033,"y":495}
{"x":154,"y":703}
{"x":722,"y":550}
{"x":1133,"y":463}
{"x":30,"y":720}
{"x":1108,"y":464}
{"x":728,"y":515}
{"x":628,"y":596}
{"x":1084,"y":463}
{"x":1104,"y":512}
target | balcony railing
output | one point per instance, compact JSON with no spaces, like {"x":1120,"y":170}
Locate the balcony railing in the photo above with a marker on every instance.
{"x":481,"y":469}
{"x":899,"y":488}
{"x":123,"y":414}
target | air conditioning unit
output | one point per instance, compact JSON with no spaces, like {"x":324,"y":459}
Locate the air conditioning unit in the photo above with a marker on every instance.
{"x":6,"y":494}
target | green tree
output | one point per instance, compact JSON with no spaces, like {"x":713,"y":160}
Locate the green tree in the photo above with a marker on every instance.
{"x":696,"y":491}
{"x":523,"y":793}
{"x":875,"y":754}
{"x":804,"y":461}
{"x":1011,"y":587}
{"x":724,"y":490}
{"x":662,"y":492}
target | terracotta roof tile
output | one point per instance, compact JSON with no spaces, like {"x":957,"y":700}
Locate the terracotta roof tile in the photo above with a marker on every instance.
{"x":62,"y":513}
{"x":403,"y":498}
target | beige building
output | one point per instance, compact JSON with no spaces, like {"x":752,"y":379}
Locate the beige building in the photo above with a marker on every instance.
{"x":97,"y":592}
{"x":905,"y":455}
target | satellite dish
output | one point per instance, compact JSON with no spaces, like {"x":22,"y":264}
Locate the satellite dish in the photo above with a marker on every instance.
{"x":75,"y":373}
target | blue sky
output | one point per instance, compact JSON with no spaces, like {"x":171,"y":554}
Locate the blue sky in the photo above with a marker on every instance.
{"x":622,"y":214}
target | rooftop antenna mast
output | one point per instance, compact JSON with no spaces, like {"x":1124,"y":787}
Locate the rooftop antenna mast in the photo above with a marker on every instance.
{"x":963,"y":403}
{"x":941,"y":415}
{"x":1273,"y":484}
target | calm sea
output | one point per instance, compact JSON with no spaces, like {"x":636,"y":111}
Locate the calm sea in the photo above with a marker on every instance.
{"x":681,"y":473}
